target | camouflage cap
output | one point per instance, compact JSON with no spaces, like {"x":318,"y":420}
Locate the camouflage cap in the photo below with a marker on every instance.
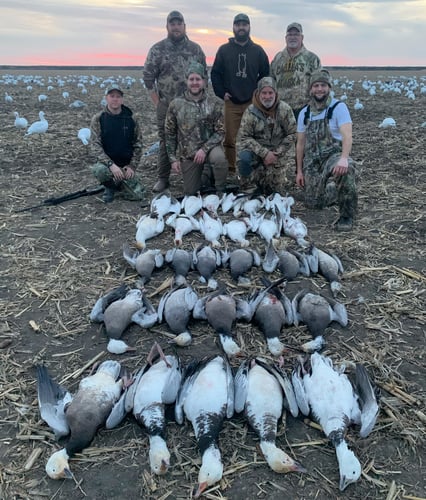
{"x":196,"y":67}
{"x":295,"y":26}
{"x":242,"y":18}
{"x":320,"y":75}
{"x":175,"y":14}
{"x":112,"y":87}
{"x":267,"y":81}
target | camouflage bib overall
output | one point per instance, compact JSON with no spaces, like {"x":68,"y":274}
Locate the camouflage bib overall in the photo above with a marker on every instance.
{"x":322,"y":152}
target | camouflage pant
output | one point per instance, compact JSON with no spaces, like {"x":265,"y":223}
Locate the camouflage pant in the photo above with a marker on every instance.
{"x":130,"y":189}
{"x":269,"y":179}
{"x":163,"y":163}
{"x":319,"y":189}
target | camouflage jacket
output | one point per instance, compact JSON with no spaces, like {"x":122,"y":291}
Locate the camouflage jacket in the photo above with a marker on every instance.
{"x":166,"y":65}
{"x":292,"y":74}
{"x":260,"y":134}
{"x":122,"y":149}
{"x":192,"y":125}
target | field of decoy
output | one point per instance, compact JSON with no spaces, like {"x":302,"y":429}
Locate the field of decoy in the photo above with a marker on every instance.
{"x":58,"y":260}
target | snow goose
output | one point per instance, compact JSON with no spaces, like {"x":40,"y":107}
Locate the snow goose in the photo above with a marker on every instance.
{"x":164,"y":203}
{"x":148,"y":227}
{"x":206,"y":397}
{"x":236,"y":230}
{"x":155,"y":385}
{"x":84,"y":414}
{"x":317,"y":312}
{"x":335,"y":403}
{"x":38,"y":127}
{"x":182,"y":224}
{"x":8,"y":98}
{"x":263,"y":408}
{"x":84,"y":135}
{"x":191,"y":205}
{"x":175,"y":308}
{"x":211,"y":228}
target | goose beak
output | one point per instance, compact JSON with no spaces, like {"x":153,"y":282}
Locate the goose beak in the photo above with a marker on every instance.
{"x":200,"y":489}
{"x":164,"y":467}
{"x":343,"y":483}
{"x":67,"y":473}
{"x":297,"y":467}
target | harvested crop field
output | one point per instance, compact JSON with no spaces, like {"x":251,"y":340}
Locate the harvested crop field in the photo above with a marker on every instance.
{"x":57,"y":261}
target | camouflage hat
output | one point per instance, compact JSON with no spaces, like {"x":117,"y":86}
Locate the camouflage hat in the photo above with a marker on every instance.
{"x":242,"y":18}
{"x":267,"y":81}
{"x":321,"y":75}
{"x":295,"y":26}
{"x":112,"y":87}
{"x":175,"y":14}
{"x":196,"y":67}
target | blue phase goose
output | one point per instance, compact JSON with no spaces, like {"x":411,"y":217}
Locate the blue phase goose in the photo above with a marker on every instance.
{"x":335,"y":403}
{"x":155,"y":385}
{"x":240,"y":261}
{"x":328,"y":265}
{"x":82,"y":414}
{"x":144,"y":262}
{"x":206,"y":397}
{"x":181,"y":262}
{"x":317,"y":312}
{"x":262,"y":390}
{"x":206,"y":260}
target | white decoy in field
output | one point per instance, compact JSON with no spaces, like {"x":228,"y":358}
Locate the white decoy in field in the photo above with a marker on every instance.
{"x":358,"y":106}
{"x":38,"y":127}
{"x":65,"y":95}
{"x":336,"y":403}
{"x":83,"y":415}
{"x":84,"y":135}
{"x":206,"y":398}
{"x":20,"y":121}
{"x":77,"y":104}
{"x":148,"y":227}
{"x":8,"y":98}
{"x":155,"y":385}
{"x":264,"y":408}
{"x":388,"y":122}
{"x":42,"y":98}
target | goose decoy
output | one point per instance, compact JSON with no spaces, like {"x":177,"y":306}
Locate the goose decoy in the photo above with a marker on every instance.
{"x":153,"y":149}
{"x":176,"y":307}
{"x":181,"y":262}
{"x":329,"y":265}
{"x":38,"y":127}
{"x":191,"y":204}
{"x":182,"y":224}
{"x":240,"y":261}
{"x":144,"y":262}
{"x":388,"y":122}
{"x":8,"y":98}
{"x":206,"y":260}
{"x":20,"y":121}
{"x":206,"y":397}
{"x":335,"y":403}
{"x":236,"y":230}
{"x":84,"y":135}
{"x":148,"y":227}
{"x":291,"y":263}
{"x":164,"y":203}
{"x":271,"y":311}
{"x":221,"y":310}
{"x":211,"y":228}
{"x":84,"y":414}
{"x":317,"y":312}
{"x":155,"y":385}
{"x":78,"y":104}
{"x":118,"y":312}
{"x":264,"y":408}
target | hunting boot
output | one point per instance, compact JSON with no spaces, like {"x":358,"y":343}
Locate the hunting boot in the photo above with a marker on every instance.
{"x":247,"y":186}
{"x":109,"y":191}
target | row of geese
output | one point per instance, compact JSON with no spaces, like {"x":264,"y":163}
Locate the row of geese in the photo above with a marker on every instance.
{"x":207,"y":392}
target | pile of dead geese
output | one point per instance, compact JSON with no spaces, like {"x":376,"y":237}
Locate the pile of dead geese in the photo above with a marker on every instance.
{"x":207,"y":391}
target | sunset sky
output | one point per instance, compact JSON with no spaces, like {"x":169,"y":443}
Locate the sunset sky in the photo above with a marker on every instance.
{"x":120,"y":32}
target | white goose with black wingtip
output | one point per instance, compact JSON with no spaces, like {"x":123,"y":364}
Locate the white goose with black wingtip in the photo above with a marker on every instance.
{"x":206,"y":398}
{"x":335,"y":403}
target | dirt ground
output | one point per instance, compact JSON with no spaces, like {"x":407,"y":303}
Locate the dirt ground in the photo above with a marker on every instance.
{"x":56,"y":262}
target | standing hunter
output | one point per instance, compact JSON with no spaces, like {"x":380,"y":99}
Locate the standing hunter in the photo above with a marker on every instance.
{"x":292,"y":69}
{"x":164,"y":76}
{"x":323,"y":145}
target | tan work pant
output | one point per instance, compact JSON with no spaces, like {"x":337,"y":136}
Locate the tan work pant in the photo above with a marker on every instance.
{"x":232,"y":118}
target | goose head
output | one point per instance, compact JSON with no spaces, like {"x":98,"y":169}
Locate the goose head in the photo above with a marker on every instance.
{"x":57,"y":466}
{"x":211,"y":470}
{"x":279,"y":461}
{"x":349,"y":466}
{"x":159,"y":455}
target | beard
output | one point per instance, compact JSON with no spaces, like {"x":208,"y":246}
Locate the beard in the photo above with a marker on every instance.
{"x":320,"y":99}
{"x":242,"y":37}
{"x":267,"y":103}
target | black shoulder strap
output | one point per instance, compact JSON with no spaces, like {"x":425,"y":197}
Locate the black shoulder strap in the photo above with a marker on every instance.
{"x":307,"y":113}
{"x":330,"y":110}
